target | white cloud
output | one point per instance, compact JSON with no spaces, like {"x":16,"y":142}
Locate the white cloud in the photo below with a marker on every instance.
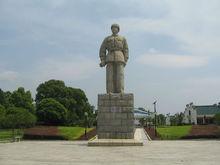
{"x":8,"y":75}
{"x":193,"y":23}
{"x":172,"y":60}
{"x":66,"y":68}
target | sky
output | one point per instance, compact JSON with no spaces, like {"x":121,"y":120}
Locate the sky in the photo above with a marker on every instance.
{"x":174,"y":47}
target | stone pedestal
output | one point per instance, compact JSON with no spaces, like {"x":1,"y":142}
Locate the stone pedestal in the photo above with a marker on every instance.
{"x":115,"y":116}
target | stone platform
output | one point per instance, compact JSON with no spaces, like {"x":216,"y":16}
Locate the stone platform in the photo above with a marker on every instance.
{"x":115,"y":116}
{"x":137,"y":141}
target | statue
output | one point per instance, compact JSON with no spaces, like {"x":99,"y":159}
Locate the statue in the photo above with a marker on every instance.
{"x":115,"y":118}
{"x":114,"y":54}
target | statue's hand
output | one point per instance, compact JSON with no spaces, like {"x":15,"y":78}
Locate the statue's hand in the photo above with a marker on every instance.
{"x":102,"y":64}
{"x":126,"y":59}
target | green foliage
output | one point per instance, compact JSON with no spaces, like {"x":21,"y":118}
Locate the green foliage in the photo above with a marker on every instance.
{"x":72,"y":133}
{"x":177,"y":119}
{"x":51,"y":89}
{"x":6,"y":134}
{"x":2,"y":110}
{"x":92,"y":115}
{"x":15,"y":109}
{"x":4,"y":98}
{"x":146,"y":121}
{"x":51,"y":111}
{"x":74,"y":100}
{"x":173,"y":132}
{"x":72,"y":119}
{"x":18,"y":98}
{"x":2,"y":115}
{"x":217,"y":118}
{"x":21,"y":98}
{"x":142,"y":121}
{"x":161,"y":119}
{"x":68,"y":107}
{"x":18,"y":118}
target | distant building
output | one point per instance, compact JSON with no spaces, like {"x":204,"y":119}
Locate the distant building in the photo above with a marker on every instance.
{"x":141,"y":113}
{"x":200,"y":114}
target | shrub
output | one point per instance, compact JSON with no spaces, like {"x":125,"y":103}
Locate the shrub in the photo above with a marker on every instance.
{"x":217,"y":118}
{"x":49,"y":111}
{"x":2,"y":115}
{"x":18,"y":118}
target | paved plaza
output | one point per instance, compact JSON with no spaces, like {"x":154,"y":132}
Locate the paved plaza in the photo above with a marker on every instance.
{"x":67,"y":153}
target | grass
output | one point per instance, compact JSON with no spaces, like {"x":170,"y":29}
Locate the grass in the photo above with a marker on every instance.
{"x":72,"y":133}
{"x":173,"y":132}
{"x":69,"y":133}
{"x":6,"y":134}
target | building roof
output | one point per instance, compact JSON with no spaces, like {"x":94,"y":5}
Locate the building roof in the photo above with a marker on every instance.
{"x":207,"y":109}
{"x":140,"y":113}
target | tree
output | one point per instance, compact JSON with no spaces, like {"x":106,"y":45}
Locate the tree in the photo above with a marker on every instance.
{"x":21,"y":98}
{"x":180,"y":117}
{"x":161,"y":119}
{"x":16,"y":107}
{"x":217,"y":118}
{"x":142,"y":121}
{"x":173,"y":120}
{"x":73,"y":99}
{"x":51,"y":89}
{"x":50,"y":111}
{"x":92,"y":115}
{"x":72,"y":119}
{"x":177,"y":119}
{"x":18,"y":118}
{"x":4,"y":98}
{"x":2,"y":115}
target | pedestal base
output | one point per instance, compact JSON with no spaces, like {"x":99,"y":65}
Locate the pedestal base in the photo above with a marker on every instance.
{"x":137,"y":141}
{"x":115,"y":116}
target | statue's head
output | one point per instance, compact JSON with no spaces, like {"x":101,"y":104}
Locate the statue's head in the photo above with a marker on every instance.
{"x":115,"y":28}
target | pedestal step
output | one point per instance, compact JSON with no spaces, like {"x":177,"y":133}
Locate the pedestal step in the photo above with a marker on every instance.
{"x":137,"y":141}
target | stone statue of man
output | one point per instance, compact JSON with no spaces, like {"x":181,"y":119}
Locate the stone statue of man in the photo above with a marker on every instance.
{"x":114,"y":54}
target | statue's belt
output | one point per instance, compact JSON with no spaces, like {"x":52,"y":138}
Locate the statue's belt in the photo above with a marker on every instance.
{"x":114,"y":50}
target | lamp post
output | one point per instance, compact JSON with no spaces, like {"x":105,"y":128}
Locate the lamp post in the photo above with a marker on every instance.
{"x":155,"y":118}
{"x":86,"y":119}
